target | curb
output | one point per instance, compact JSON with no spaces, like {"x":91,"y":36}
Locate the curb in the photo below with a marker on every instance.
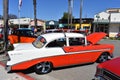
{"x":20,"y":74}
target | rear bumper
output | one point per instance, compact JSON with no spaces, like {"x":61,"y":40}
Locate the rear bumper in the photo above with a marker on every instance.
{"x":8,"y":68}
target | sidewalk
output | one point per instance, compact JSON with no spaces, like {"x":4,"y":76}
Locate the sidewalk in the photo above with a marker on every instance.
{"x":11,"y":76}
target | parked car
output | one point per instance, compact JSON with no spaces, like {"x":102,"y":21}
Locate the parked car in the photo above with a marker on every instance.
{"x":21,"y":35}
{"x":117,"y":36}
{"x":53,"y":50}
{"x":65,"y":30}
{"x":109,"y":70}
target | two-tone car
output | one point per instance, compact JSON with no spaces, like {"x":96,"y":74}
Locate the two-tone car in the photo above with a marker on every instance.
{"x":54,"y":50}
{"x":109,"y":70}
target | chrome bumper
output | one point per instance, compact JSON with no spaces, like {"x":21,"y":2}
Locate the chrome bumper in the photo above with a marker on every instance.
{"x":8,"y":68}
{"x":99,"y":78}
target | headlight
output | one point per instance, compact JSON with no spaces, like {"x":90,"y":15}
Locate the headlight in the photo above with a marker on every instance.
{"x":99,"y":71}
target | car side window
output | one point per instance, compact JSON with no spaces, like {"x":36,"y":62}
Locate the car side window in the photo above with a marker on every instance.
{"x":76,"y":41}
{"x":57,"y":43}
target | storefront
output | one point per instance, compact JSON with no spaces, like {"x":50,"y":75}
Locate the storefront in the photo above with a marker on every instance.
{"x":52,"y":24}
{"x":40,"y":24}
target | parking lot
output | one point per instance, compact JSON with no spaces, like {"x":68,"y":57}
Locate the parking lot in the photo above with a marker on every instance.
{"x":80,"y":72}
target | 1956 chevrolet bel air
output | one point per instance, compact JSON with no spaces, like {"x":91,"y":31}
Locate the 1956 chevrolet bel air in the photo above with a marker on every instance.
{"x":53,"y":50}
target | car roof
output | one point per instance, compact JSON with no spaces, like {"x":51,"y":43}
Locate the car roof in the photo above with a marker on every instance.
{"x":53,"y":36}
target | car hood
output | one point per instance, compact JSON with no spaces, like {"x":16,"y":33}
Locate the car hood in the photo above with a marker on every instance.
{"x":23,"y":46}
{"x":112,"y":66}
{"x":95,"y":37}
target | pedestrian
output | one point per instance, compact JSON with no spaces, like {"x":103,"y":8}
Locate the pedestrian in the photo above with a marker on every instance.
{"x":35,"y":31}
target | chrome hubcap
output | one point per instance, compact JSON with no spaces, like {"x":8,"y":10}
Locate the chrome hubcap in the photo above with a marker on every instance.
{"x":103,"y":58}
{"x":43,"y":67}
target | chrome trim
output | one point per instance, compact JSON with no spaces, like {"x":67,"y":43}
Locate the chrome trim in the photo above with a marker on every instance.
{"x":90,"y":51}
{"x":109,"y":75}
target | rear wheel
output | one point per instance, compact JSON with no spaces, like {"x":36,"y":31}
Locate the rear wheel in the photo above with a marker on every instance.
{"x":103,"y":57}
{"x":43,"y":67}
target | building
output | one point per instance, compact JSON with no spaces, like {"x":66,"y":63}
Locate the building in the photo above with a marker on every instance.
{"x":51,"y":24}
{"x":22,"y":22}
{"x":40,"y":24}
{"x":26,"y":23}
{"x":107,"y":21}
{"x":86,"y":23}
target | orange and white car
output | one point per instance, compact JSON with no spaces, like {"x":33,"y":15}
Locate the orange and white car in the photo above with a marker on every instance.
{"x":53,"y":50}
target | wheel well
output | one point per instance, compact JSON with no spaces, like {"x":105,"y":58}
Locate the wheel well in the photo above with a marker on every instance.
{"x":41,"y":62}
{"x":106,"y":53}
{"x":102,"y":54}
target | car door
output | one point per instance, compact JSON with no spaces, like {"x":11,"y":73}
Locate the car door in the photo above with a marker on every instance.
{"x":78,"y":52}
{"x":27,"y":36}
{"x":57,"y":54}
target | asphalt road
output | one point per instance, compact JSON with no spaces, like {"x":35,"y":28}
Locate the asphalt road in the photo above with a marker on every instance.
{"x":81,"y":72}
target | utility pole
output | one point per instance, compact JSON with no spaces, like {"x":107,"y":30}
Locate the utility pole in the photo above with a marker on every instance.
{"x":5,"y":15}
{"x":35,"y":20}
{"x":81,"y":6}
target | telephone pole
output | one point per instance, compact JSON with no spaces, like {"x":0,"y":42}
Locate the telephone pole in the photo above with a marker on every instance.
{"x":5,"y":16}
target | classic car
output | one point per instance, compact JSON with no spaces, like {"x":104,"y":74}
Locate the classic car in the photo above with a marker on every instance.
{"x":117,"y":36}
{"x":54,"y":50}
{"x":22,"y":35}
{"x":109,"y":70}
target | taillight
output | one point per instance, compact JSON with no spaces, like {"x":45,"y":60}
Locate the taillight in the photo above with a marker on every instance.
{"x":1,"y":36}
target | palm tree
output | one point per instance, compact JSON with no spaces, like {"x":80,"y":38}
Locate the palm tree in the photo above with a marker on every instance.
{"x":5,"y":16}
{"x":35,"y":20}
{"x":70,"y":7}
{"x":68,"y":13}
{"x":81,"y":5}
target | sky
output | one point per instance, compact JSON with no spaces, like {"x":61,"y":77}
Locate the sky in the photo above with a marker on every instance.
{"x":54,"y":9}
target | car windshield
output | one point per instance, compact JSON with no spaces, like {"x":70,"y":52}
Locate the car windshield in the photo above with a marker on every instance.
{"x":39,"y":42}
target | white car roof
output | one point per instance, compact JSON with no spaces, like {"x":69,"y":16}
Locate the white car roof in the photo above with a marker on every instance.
{"x":53,"y":36}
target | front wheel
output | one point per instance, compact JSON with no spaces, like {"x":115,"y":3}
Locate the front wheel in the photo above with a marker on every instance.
{"x":103,"y":57}
{"x":43,"y":67}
